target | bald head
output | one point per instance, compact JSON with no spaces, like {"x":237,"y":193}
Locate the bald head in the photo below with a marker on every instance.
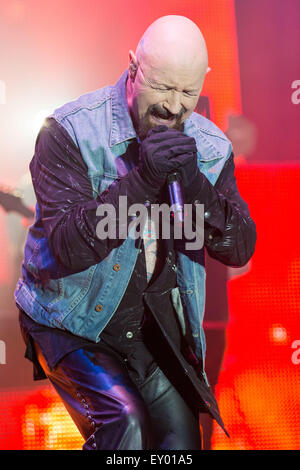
{"x":166,"y":73}
{"x":173,"y":41}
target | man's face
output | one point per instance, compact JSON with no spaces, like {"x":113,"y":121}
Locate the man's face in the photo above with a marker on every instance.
{"x":164,"y":96}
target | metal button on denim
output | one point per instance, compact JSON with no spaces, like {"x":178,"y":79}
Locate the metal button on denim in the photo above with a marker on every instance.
{"x":117,"y":267}
{"x":98,"y":308}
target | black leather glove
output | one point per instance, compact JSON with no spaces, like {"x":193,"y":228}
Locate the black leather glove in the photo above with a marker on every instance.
{"x":191,"y":177}
{"x":164,"y":151}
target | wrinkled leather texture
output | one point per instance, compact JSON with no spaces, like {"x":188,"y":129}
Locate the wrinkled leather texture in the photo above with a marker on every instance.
{"x":230,"y":232}
{"x":114,"y":412}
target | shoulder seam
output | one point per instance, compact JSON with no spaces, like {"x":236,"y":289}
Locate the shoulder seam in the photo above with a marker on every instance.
{"x":60,"y":117}
{"x":219,"y":134}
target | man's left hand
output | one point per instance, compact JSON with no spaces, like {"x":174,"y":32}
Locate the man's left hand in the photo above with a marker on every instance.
{"x":191,"y":177}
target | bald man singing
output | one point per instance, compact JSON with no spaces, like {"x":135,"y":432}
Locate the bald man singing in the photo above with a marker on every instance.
{"x":115,"y":321}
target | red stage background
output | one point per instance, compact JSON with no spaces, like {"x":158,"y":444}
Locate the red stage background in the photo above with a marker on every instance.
{"x":53,"y":52}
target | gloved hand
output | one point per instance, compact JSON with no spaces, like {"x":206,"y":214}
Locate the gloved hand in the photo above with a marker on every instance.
{"x":192,"y":179}
{"x":163,"y":151}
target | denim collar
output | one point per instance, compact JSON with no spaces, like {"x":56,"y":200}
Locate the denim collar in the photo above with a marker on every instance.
{"x":121,"y":124}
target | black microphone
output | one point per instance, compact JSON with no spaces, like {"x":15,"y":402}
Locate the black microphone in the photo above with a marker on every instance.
{"x":175,"y":193}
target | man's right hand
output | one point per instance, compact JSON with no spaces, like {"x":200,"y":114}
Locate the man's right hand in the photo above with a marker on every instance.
{"x":163,"y":151}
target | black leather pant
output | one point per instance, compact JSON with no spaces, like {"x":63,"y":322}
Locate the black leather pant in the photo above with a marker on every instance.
{"x":115,"y":408}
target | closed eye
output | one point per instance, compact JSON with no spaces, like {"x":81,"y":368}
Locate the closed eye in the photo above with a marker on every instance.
{"x":161,"y":89}
{"x":185,"y":92}
{"x":190,"y":93}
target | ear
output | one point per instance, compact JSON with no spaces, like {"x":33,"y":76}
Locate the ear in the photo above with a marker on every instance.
{"x":133,"y":65}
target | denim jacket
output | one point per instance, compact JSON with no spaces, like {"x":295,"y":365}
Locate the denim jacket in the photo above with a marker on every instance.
{"x":83,"y":302}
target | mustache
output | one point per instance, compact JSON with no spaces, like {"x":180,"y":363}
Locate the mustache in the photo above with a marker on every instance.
{"x":164,"y":113}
